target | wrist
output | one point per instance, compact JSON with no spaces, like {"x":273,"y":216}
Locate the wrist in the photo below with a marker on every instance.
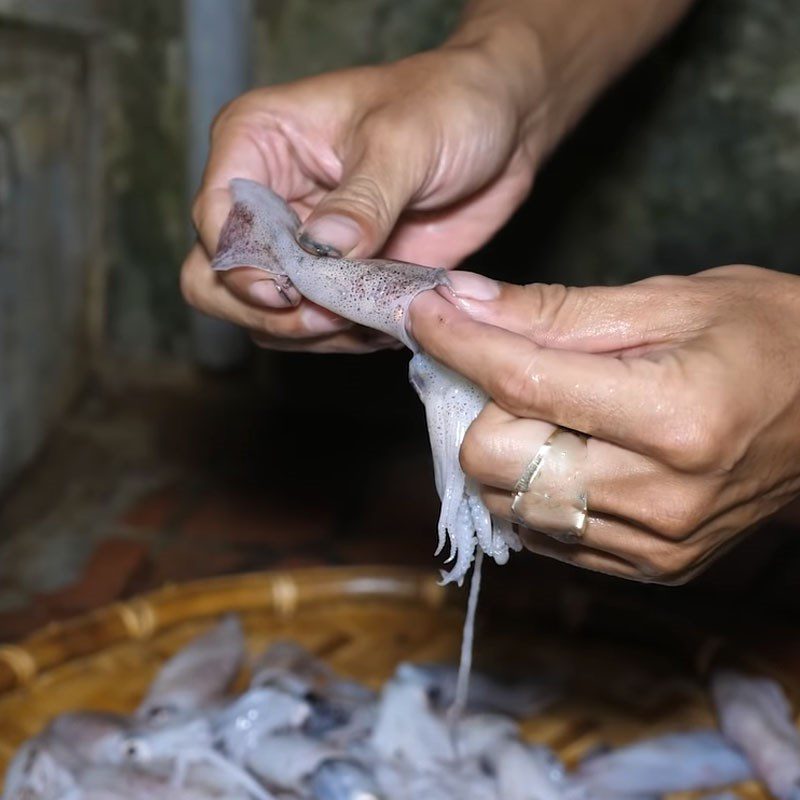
{"x":557,"y":56}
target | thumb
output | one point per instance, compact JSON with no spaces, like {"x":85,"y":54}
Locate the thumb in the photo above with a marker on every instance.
{"x":597,"y":319}
{"x":357,"y":218}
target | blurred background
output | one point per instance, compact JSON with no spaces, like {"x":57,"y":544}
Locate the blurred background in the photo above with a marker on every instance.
{"x":140,"y":444}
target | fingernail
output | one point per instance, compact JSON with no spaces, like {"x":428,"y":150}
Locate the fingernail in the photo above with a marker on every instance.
{"x":472,"y":286}
{"x":332,"y":235}
{"x":319,"y":320}
{"x":272,"y":294}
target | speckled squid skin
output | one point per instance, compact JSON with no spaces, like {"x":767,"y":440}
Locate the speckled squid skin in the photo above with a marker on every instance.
{"x":261,"y":232}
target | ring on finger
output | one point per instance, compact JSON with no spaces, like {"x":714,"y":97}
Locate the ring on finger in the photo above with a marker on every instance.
{"x":550,"y":495}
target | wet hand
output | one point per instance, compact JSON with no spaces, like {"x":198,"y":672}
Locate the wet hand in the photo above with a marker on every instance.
{"x":421,"y":160}
{"x":688,"y":389}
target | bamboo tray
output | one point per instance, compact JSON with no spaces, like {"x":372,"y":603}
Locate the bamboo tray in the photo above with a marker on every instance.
{"x":364,"y":621}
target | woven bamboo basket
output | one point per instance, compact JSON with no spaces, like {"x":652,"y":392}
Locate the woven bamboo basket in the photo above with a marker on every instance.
{"x":363,"y":621}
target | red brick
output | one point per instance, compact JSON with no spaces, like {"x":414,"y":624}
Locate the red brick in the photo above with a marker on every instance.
{"x":111,"y":568}
{"x":153,"y":511}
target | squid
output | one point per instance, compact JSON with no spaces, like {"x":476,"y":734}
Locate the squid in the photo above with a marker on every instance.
{"x":261,"y":232}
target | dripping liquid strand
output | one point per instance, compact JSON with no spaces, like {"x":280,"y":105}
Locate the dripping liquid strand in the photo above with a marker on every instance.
{"x":467,"y":643}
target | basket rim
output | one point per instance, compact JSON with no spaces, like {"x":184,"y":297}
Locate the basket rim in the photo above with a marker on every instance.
{"x":283,"y":592}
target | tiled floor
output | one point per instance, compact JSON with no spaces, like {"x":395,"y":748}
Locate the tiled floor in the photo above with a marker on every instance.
{"x":161,"y":479}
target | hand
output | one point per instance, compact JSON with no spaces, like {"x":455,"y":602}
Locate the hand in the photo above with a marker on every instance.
{"x":689,"y":389}
{"x":422,"y":160}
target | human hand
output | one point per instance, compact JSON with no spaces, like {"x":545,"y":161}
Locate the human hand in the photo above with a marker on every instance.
{"x":689,"y":389}
{"x":422,"y":160}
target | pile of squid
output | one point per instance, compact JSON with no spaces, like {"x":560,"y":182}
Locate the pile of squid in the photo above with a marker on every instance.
{"x":300,"y":731}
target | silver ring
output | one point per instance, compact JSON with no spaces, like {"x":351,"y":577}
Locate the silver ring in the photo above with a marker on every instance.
{"x":550,"y":495}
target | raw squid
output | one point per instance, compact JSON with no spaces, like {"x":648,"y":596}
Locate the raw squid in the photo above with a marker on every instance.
{"x":754,"y":713}
{"x":198,"y":675}
{"x":266,"y":743}
{"x":400,"y":744}
{"x":344,"y":780}
{"x":261,"y":232}
{"x":672,"y":763}
{"x":485,"y":694}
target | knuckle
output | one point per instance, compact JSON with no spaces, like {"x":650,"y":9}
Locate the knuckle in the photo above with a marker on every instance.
{"x":219,"y":121}
{"x":697,"y":432}
{"x":693,"y":438}
{"x":387,"y":126}
{"x":678,"y":579}
{"x":518,"y":388}
{"x":669,"y":565}
{"x":366,"y":198}
{"x":554,"y":311}
{"x":674,"y":515}
{"x":235,"y":108}
{"x":475,"y":447}
{"x":672,"y":523}
{"x":198,"y":208}
{"x":222,"y":116}
{"x":381,"y":124}
{"x":273,"y":326}
{"x":188,"y":284}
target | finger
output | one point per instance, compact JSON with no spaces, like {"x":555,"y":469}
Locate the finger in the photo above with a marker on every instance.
{"x":357,"y":217}
{"x":600,"y":395}
{"x":246,"y":142}
{"x":498,"y":448}
{"x":680,"y":567}
{"x":441,"y":238}
{"x":209,"y":212}
{"x":598,"y":319}
{"x":204,"y":290}
{"x":654,"y":557}
{"x":250,"y":286}
{"x":580,"y":556}
{"x":352,"y":342}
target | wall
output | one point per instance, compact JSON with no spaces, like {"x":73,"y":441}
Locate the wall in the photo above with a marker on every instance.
{"x":692,"y":161}
{"x":292,"y":38}
{"x":48,"y":221}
